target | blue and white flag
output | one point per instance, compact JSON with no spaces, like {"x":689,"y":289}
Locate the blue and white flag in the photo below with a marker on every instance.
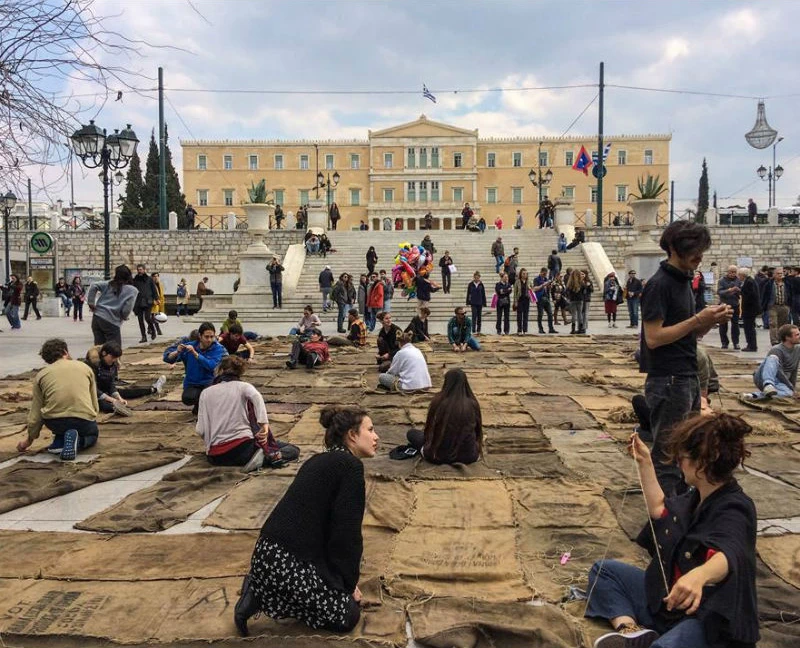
{"x":606,"y":149}
{"x":427,"y":93}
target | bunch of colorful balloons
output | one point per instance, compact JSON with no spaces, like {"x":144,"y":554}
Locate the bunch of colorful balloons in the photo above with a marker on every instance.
{"x":412,"y":260}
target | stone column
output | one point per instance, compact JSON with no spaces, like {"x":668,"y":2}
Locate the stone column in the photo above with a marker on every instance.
{"x":231,"y":221}
{"x":173,"y":221}
{"x":588,"y":219}
{"x":772,"y":216}
{"x":317,"y":214}
{"x":113,"y":221}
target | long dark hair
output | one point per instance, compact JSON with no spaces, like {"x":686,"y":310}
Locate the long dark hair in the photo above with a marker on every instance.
{"x":453,"y":411}
{"x":122,"y":277}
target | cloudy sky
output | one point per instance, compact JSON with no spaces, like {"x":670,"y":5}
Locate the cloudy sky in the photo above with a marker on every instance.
{"x":719,"y":47}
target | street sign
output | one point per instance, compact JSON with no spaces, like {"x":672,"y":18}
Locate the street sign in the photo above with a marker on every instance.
{"x":41,"y":242}
{"x":596,"y":170}
{"x":42,"y":263}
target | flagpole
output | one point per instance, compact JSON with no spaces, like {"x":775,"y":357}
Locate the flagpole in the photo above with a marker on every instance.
{"x":600,"y":151}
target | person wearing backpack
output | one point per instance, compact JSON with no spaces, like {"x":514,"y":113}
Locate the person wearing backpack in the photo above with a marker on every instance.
{"x":182,"y":298}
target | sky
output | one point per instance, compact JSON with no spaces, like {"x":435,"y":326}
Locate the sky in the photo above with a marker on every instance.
{"x":389,"y":48}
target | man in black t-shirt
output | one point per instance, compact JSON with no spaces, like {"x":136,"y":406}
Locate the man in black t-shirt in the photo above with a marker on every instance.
{"x":669,"y":339}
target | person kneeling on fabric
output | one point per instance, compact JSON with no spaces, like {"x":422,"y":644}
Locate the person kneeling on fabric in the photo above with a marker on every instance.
{"x":311,"y":353}
{"x":200,"y":360}
{"x":699,"y":589}
{"x":65,"y":401}
{"x":234,"y":339}
{"x":454,"y":426}
{"x":104,"y":362}
{"x":232,"y":419}
{"x":459,"y":332}
{"x":409,"y":369}
{"x":306,"y":562}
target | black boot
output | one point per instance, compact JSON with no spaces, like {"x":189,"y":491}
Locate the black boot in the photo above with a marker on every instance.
{"x":245,"y":608}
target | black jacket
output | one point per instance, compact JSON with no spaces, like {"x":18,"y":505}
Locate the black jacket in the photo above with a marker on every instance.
{"x":419,"y":328}
{"x":325,"y":279}
{"x":554,"y":263}
{"x":31,"y":290}
{"x":147,"y":292}
{"x":751,"y":298}
{"x":725,"y":522}
{"x":388,"y":341}
{"x":634,"y":287}
{"x":476,"y":295}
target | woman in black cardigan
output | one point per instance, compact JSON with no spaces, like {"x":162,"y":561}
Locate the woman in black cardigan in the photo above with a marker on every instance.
{"x":306,"y":562}
{"x":699,"y":590}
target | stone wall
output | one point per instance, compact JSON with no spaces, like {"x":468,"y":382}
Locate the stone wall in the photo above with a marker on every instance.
{"x":765,"y":244}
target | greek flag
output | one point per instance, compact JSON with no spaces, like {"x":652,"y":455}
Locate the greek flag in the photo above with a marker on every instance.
{"x":427,"y":93}
{"x":606,"y":149}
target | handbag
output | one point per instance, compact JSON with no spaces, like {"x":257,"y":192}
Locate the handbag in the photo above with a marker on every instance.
{"x":452,"y":268}
{"x":494,"y":301}
{"x":532,"y":296}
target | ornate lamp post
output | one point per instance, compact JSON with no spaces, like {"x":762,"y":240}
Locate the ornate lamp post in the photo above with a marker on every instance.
{"x":114,"y":180}
{"x":7,"y":202}
{"x":325,"y":182}
{"x":96,"y":149}
{"x":771,"y":175}
{"x":539,"y":179}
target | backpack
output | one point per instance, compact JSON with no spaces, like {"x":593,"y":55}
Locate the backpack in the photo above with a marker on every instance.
{"x":181,"y":291}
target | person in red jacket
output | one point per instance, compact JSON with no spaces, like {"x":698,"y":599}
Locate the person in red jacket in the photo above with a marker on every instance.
{"x":374,"y":301}
{"x":311,"y":353}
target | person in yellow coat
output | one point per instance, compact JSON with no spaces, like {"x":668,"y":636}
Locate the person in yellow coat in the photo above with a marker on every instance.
{"x":159,"y":305}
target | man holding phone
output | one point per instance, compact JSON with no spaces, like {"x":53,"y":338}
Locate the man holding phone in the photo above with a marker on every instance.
{"x":200,"y":358}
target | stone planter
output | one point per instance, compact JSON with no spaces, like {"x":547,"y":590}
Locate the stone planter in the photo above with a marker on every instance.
{"x":644,"y":216}
{"x":645,"y":254}
{"x":257,"y":217}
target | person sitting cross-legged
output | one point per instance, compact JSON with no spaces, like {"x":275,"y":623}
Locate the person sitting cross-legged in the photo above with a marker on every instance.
{"x":454,"y":426}
{"x":311,"y":353}
{"x":408,"y":370}
{"x":309,"y":320}
{"x":388,"y":340}
{"x":777,"y":373}
{"x":64,"y":401}
{"x":104,"y":362}
{"x":418,"y":325}
{"x":200,"y":359}
{"x":234,"y":339}
{"x":232,"y":419}
{"x":699,"y":589}
{"x":459,"y":332}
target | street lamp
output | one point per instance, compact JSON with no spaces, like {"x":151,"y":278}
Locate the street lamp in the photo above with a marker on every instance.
{"x":7,"y":202}
{"x":116,"y":179}
{"x":96,"y":149}
{"x":539,"y":179}
{"x":325,"y":182}
{"x":771,"y":175}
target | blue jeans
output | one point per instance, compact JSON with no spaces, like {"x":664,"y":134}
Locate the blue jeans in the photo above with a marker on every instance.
{"x":66,"y":301}
{"x":769,"y":373}
{"x":670,"y":399}
{"x":342,"y":316}
{"x":618,"y":590}
{"x":312,"y":248}
{"x":87,"y":430}
{"x":371,"y":318}
{"x":562,"y":246}
{"x":12,"y":314}
{"x":498,"y":262}
{"x":633,"y":310}
{"x":473,"y":344}
{"x":277,"y":294}
{"x":387,"y":305}
{"x":326,"y":302}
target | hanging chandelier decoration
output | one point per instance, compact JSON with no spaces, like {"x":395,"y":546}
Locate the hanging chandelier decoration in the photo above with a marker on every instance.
{"x":762,"y":134}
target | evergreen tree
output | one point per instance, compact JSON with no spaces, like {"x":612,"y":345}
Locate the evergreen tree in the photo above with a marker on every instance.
{"x":150,"y":193}
{"x":131,"y":202}
{"x":702,"y":195}
{"x":176,"y":201}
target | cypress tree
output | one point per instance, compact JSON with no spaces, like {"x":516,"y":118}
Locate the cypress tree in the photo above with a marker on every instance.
{"x":150,"y":193}
{"x":176,"y":201}
{"x":131,"y":202}
{"x":702,"y":195}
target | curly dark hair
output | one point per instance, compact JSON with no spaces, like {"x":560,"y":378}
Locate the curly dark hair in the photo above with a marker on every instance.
{"x":53,"y":349}
{"x":685,"y":238}
{"x":715,"y":442}
{"x":231,"y":365}
{"x":338,"y":420}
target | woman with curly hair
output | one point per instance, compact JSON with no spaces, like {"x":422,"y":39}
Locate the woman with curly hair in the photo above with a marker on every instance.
{"x":306,"y":562}
{"x":699,"y":589}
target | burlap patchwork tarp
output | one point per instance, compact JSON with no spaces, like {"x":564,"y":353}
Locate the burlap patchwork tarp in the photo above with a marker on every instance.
{"x":459,"y":551}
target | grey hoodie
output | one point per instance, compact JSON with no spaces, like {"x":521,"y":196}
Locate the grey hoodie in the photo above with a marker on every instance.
{"x":109,"y":306}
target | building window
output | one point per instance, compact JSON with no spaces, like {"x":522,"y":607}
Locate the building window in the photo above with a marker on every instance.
{"x":434,"y":191}
{"x":202,"y":197}
{"x":412,"y":158}
{"x":423,"y":191}
{"x":252,"y":162}
{"x":304,"y":162}
{"x":622,"y":193}
{"x":202,"y":162}
{"x":569,"y":158}
{"x":458,"y":195}
{"x":435,"y":157}
{"x":593,"y":194}
{"x":388,"y":160}
{"x":278,"y":162}
{"x":279,"y":194}
{"x":388,"y":195}
{"x":355,"y":197}
{"x":303,"y":197}
{"x":423,"y":158}
{"x":457,"y":160}
{"x":543,"y":158}
{"x":329,"y":161}
{"x":355,"y":161}
{"x":546,"y":193}
{"x":568,"y":191}
{"x":516,"y":156}
{"x":227,"y":196}
{"x":412,"y":192}
{"x":490,"y":160}
{"x":648,"y":156}
{"x":227,"y":162}
{"x":491,"y":195}
{"x":622,"y":158}
{"x":516,"y":195}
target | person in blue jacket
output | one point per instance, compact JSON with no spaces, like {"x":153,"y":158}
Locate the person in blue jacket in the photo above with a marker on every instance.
{"x":200,"y":358}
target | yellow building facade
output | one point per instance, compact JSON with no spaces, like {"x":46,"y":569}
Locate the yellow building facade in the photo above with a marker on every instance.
{"x":407,"y":170}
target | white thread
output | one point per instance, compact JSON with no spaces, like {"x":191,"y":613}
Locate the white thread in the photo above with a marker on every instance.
{"x":652,"y":531}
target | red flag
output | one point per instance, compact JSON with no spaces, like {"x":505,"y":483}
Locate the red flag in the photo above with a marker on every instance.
{"x":583,"y":162}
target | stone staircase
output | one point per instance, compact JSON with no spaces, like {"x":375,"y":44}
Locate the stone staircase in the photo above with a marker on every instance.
{"x":470,"y":252}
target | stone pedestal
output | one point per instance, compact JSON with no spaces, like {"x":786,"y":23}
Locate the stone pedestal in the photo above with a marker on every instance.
{"x":644,"y":255}
{"x":230,"y":218}
{"x":588,"y":219}
{"x":565,"y":212}
{"x":291,"y":221}
{"x":317,"y":215}
{"x":50,"y":307}
{"x":172,"y":221}
{"x":55,"y":221}
{"x":253,"y":275}
{"x":712,"y":217}
{"x":113,"y":221}
{"x":772,"y":216}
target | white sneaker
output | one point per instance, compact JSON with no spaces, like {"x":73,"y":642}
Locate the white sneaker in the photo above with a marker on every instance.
{"x":627,"y":637}
{"x":770,"y":391}
{"x":256,"y":461}
{"x":158,"y":385}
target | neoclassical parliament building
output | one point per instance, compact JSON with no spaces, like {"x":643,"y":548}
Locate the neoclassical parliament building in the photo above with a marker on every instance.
{"x":406,"y":170}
